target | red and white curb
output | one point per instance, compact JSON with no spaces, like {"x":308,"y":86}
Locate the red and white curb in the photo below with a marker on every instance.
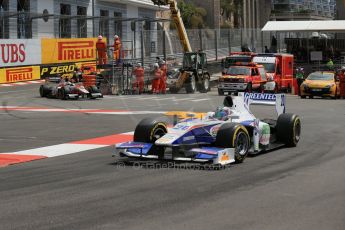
{"x":86,"y":111}
{"x":62,"y":149}
{"x":22,"y":83}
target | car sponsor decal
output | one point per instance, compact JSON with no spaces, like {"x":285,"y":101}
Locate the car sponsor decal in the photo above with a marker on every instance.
{"x":214,"y":130}
{"x":260,"y":96}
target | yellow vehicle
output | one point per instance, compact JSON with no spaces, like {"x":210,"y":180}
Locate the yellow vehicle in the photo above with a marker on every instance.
{"x":323,"y":84}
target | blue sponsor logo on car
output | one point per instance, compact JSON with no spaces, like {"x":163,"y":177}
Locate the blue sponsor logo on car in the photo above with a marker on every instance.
{"x":260,"y":96}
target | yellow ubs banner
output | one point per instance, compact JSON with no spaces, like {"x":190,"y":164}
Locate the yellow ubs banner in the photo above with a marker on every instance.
{"x":68,"y":50}
{"x":11,"y":75}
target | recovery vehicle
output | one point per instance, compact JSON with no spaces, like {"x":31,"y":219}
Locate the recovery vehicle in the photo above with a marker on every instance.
{"x":193,"y":74}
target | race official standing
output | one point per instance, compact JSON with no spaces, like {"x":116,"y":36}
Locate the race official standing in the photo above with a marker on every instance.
{"x":157,"y":79}
{"x":299,"y":78}
{"x":163,"y":80}
{"x":117,"y":48}
{"x":101,"y":48}
{"x":139,"y":75}
{"x":342,"y":82}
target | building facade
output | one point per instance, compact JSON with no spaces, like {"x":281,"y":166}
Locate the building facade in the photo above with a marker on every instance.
{"x":255,"y":13}
{"x":340,"y":10}
{"x":283,"y":10}
{"x":73,"y":18}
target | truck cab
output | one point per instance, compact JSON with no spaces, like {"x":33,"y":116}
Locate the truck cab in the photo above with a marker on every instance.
{"x":236,"y":57}
{"x":279,"y":68}
{"x":242,"y":77}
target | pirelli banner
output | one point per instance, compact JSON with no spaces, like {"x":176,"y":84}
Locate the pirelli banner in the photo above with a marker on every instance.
{"x":56,"y":51}
{"x":17,"y":74}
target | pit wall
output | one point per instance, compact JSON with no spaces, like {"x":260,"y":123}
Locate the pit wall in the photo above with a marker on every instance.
{"x":33,"y":59}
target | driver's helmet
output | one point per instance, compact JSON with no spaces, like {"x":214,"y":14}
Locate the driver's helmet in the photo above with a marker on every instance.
{"x":221,"y":113}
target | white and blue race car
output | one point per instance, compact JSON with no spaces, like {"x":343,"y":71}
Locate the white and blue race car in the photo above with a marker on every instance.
{"x":215,"y":139}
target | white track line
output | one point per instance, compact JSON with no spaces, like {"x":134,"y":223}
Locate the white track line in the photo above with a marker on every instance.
{"x":197,"y":100}
{"x":59,"y":150}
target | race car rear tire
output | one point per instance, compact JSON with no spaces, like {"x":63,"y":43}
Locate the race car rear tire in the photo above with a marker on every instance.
{"x":64,"y":93}
{"x":149,"y":130}
{"x":191,"y":84}
{"x":220,"y":92}
{"x":288,"y":129}
{"x":234,"y":135}
{"x":93,"y":89}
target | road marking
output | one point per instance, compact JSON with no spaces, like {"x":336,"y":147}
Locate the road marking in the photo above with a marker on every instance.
{"x":184,"y":99}
{"x":85,"y":111}
{"x":147,"y":98}
{"x":10,"y":159}
{"x":168,"y":98}
{"x":21,"y":83}
{"x":198,"y":100}
{"x":63,"y":149}
{"x":59,"y":150}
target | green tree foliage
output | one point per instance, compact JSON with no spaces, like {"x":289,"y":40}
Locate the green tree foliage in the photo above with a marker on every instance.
{"x":192,"y":16}
{"x":232,"y":7}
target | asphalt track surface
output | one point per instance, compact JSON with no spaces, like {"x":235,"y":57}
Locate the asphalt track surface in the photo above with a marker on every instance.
{"x":291,"y":188}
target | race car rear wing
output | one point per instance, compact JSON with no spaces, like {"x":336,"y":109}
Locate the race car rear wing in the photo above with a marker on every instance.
{"x":246,"y":99}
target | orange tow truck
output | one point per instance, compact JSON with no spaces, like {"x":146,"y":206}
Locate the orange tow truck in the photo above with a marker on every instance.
{"x":243,"y":77}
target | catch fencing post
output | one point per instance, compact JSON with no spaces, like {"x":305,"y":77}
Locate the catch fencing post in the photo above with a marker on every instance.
{"x":216,"y":43}
{"x":229,"y":40}
{"x":200,"y":39}
{"x":164,"y":46}
{"x":142,"y":47}
{"x":262,"y":42}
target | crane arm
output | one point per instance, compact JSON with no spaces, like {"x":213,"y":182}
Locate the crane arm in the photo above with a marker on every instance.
{"x":176,"y":15}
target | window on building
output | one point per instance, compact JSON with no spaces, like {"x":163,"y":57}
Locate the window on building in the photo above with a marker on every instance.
{"x":118,"y":24}
{"x":24,"y":23}
{"x":4,"y":22}
{"x":104,"y":23}
{"x":82,"y":22}
{"x":65,"y":21}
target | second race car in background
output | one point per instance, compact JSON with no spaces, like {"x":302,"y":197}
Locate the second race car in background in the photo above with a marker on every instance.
{"x":62,"y":89}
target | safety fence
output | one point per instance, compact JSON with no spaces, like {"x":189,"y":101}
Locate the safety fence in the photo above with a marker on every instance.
{"x":29,"y":59}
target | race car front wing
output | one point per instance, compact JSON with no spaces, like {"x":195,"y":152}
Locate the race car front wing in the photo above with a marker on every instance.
{"x":218,"y":156}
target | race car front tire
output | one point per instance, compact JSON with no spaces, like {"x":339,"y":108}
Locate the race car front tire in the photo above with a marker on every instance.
{"x":288,"y":129}
{"x":44,"y":90}
{"x":234,"y":135}
{"x":149,"y":130}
